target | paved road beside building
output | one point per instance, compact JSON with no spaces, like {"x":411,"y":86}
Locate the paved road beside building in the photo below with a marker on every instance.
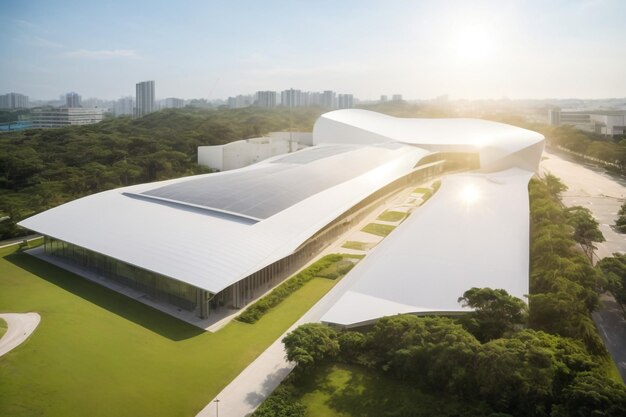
{"x":612,"y":327}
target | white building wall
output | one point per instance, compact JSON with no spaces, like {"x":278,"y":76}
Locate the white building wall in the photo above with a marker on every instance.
{"x":247,"y":152}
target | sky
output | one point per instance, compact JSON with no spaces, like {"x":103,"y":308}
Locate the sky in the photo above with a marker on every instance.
{"x":215,"y":49}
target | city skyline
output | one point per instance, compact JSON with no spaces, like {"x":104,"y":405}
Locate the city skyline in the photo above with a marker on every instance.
{"x":514,"y":49}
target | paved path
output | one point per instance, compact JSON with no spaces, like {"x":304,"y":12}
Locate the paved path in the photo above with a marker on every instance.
{"x":20,"y":326}
{"x":612,"y":327}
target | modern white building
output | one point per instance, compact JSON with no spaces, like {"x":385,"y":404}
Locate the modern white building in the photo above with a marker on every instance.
{"x":219,"y":240}
{"x":246,"y":152}
{"x":144,"y":98}
{"x":49,"y":117}
{"x":604,"y":122}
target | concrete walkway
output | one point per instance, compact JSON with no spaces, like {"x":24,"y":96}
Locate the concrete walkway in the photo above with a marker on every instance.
{"x":20,"y":326}
{"x":612,"y":328}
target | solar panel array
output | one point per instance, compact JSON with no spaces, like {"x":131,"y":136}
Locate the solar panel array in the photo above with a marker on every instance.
{"x":271,"y":188}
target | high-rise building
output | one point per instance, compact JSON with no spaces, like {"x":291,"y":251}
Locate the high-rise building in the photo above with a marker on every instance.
{"x":291,"y":98}
{"x":383,"y":98}
{"x":13,"y":101}
{"x":124,"y":106}
{"x":345,"y":101}
{"x":174,"y":103}
{"x":396,"y":97}
{"x":265,"y":99}
{"x":144,"y":98}
{"x":72,"y":100}
{"x":239,"y":101}
{"x":328,"y":99}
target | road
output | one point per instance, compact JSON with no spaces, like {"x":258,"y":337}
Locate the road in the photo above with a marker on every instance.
{"x":20,"y":326}
{"x":603,"y":194}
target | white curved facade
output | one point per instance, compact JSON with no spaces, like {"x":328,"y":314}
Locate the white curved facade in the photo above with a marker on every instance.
{"x":212,"y":231}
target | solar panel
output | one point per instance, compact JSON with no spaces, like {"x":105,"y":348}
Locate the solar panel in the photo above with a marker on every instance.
{"x":270,"y":188}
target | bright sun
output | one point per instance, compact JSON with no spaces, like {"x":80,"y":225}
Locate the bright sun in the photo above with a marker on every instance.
{"x":474,"y":43}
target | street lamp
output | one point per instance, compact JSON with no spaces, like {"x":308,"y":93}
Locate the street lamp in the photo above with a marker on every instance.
{"x":217,"y":407}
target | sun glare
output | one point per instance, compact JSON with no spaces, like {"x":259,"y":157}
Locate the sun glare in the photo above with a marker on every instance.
{"x":470,"y":194}
{"x":474,"y":43}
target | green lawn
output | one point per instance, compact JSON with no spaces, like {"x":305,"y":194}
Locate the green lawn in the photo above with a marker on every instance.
{"x":351,"y":244}
{"x":340,"y":390}
{"x":3,"y":327}
{"x":392,"y":216}
{"x":99,"y":353}
{"x":378,"y":229}
{"x":423,"y":190}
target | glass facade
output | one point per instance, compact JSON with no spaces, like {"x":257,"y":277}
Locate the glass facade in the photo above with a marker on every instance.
{"x":155,"y":285}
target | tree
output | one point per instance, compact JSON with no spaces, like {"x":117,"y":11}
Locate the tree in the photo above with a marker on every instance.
{"x":620,"y":223}
{"x":586,"y":230}
{"x":592,"y":394}
{"x":554,"y":184}
{"x":311,"y":343}
{"x":614,"y":269}
{"x":495,"y":313}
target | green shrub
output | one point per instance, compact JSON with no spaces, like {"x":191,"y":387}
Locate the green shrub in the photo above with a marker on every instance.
{"x":254,"y":312}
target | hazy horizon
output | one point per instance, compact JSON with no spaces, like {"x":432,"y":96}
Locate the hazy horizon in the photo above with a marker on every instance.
{"x":486,"y":50}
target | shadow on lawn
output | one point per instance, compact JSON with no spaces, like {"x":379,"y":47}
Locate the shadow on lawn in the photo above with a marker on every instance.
{"x":141,"y":314}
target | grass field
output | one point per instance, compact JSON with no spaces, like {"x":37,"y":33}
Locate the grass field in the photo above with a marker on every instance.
{"x":378,"y":229}
{"x":339,"y":390}
{"x":99,"y":353}
{"x":351,"y":244}
{"x":3,"y":328}
{"x":392,"y":216}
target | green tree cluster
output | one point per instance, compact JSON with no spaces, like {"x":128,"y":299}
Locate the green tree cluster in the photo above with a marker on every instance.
{"x":40,"y":169}
{"x":564,"y":286}
{"x":590,"y":144}
{"x":620,"y":222}
{"x":529,"y":373}
{"x":614,"y":269}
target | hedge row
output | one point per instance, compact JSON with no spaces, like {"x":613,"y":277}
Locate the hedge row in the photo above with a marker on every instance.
{"x":258,"y":309}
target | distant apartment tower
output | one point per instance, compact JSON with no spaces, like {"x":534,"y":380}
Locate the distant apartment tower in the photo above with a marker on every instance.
{"x":291,"y":98}
{"x":72,"y":100}
{"x":144,"y":98}
{"x":345,"y":101}
{"x":328,"y":99}
{"x":265,"y":99}
{"x":174,"y":103}
{"x":124,"y":106}
{"x":66,"y":116}
{"x":239,"y":102}
{"x":13,"y":101}
{"x":396,"y":97}
{"x":383,"y":98}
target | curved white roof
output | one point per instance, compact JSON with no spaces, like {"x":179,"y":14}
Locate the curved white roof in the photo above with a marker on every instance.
{"x":494,"y":142}
{"x":213,"y":230}
{"x":472,"y":233}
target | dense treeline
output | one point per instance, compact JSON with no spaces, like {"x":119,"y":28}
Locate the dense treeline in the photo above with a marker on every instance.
{"x":589,"y":144}
{"x":40,"y":169}
{"x":544,"y":361}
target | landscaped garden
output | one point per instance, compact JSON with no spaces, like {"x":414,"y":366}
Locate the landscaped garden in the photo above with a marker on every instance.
{"x":99,"y":353}
{"x":378,"y":229}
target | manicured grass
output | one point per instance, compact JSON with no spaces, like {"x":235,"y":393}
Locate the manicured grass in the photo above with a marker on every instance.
{"x":351,"y":244}
{"x":392,"y":216}
{"x":339,"y":390}
{"x":378,"y":229}
{"x":3,"y":327}
{"x":423,"y":190}
{"x":99,"y":353}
